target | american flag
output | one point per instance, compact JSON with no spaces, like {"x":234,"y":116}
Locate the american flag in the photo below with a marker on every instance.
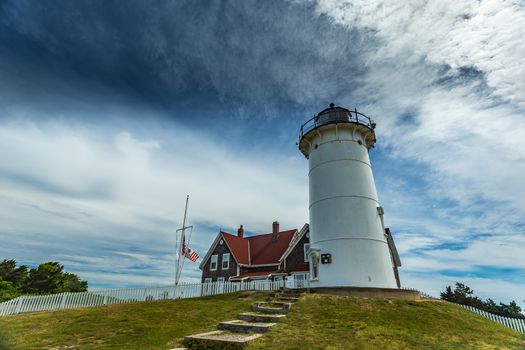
{"x":187,"y":252}
{"x":192,"y":255}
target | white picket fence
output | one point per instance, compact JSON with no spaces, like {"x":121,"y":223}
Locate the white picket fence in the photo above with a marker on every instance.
{"x":421,"y":294}
{"x":517,"y":324}
{"x":35,"y":303}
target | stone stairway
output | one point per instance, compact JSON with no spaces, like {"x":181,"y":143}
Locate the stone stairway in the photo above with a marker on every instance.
{"x":236,"y":334}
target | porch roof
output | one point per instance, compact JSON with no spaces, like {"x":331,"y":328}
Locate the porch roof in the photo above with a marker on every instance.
{"x":260,"y":274}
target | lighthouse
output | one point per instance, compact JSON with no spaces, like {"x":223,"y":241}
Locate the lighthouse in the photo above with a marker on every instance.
{"x":349,"y":245}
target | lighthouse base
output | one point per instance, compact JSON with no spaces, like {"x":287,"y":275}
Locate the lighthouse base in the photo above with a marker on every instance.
{"x":352,"y":262}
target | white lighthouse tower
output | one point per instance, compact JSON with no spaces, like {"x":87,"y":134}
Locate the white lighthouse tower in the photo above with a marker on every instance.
{"x":348,"y":244}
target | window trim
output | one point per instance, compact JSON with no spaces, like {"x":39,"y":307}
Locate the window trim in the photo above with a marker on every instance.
{"x":306,"y":246}
{"x":221,"y":280}
{"x":314,"y":255}
{"x":216,"y":256}
{"x":222,"y":261}
{"x":208,"y":280}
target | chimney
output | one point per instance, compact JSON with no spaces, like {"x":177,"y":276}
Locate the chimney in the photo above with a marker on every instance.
{"x":275,"y":227}
{"x":240,"y":232}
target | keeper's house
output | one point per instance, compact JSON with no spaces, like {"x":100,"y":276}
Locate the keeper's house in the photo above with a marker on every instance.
{"x":268,"y":256}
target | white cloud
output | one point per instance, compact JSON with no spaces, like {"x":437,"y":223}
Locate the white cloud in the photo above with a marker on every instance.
{"x":486,"y":35}
{"x":457,"y":68}
{"x":453,"y":68}
{"x":53,"y":175}
{"x":495,"y":251}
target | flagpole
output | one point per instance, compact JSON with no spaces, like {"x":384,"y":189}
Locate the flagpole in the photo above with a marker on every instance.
{"x":177,"y":255}
{"x":178,"y":266}
{"x":187,"y":247}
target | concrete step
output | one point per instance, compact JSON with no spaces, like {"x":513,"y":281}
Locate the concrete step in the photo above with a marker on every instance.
{"x":292,"y":291}
{"x":277,"y":303}
{"x":268,"y":308}
{"x":257,"y":317}
{"x":241,"y":326}
{"x":219,"y":340}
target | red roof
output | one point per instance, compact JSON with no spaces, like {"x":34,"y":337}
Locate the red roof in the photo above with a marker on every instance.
{"x":268,"y":248}
{"x":238,"y":247}
{"x":263,"y":249}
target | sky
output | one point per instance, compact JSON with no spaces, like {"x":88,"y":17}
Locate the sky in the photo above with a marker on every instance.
{"x":112,"y":112}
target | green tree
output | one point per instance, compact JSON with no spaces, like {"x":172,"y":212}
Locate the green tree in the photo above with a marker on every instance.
{"x":72,"y":283}
{"x":16,"y":275}
{"x":8,"y":291}
{"x":510,"y":310}
{"x":448,"y":295}
{"x":7,"y":267}
{"x":462,"y":294}
{"x":491,"y":306}
{"x":46,"y":278}
{"x":49,"y":277}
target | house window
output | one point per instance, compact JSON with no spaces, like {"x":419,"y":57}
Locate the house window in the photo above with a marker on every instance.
{"x":220,"y":279}
{"x":306,"y":247}
{"x":299,"y":280}
{"x":299,"y":277}
{"x":213,"y":262}
{"x":225,"y":261}
{"x":207,"y":280}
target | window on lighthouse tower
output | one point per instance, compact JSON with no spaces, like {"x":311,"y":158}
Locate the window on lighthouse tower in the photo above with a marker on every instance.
{"x":314,"y":263}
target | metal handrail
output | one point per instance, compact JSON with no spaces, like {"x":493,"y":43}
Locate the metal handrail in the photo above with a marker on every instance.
{"x":352,"y":117}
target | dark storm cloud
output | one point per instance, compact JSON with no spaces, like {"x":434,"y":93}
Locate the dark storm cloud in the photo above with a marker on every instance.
{"x":179,"y":54}
{"x":465,"y":75}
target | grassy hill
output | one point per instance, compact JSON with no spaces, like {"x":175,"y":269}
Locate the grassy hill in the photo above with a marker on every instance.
{"x":355,"y":323}
{"x":144,"y":325}
{"x":316,"y":322}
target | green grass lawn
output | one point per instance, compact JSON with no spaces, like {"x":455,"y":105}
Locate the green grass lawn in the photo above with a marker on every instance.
{"x":147,"y":325}
{"x":325,"y":322}
{"x":315,"y":322}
